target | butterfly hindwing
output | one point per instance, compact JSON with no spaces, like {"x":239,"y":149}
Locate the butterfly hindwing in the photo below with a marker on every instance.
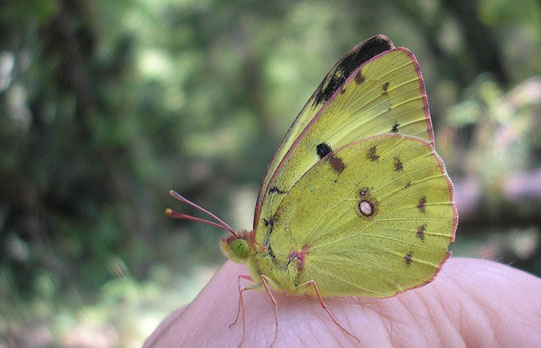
{"x":379,"y":226}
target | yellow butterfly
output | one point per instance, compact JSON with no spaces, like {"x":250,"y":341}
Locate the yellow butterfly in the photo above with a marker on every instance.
{"x":356,"y":200}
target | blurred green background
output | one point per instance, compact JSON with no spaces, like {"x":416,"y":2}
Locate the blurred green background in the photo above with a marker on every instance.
{"x":107,"y":105}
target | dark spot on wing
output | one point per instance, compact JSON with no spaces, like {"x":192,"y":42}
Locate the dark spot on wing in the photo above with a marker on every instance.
{"x":408,"y":258}
{"x":271,"y":253}
{"x":421,"y":232}
{"x":275,"y":189}
{"x":398,"y":165}
{"x":266,"y":241}
{"x":359,"y":78}
{"x":385,"y":88}
{"x":336,"y":163}
{"x":269,"y":222}
{"x":363,"y":191}
{"x":422,"y":205}
{"x":347,"y":65}
{"x":408,"y":184}
{"x":342,"y":91}
{"x":371,"y":154}
{"x":323,"y":150}
{"x":394,"y":129}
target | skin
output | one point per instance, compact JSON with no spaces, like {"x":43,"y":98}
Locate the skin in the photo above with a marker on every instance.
{"x":471,"y":302}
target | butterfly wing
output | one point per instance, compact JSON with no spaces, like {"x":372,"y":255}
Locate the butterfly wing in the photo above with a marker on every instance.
{"x":380,"y":225}
{"x":384,"y":94}
{"x":334,"y":79}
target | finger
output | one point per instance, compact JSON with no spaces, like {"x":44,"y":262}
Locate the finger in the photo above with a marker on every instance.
{"x":472,"y":302}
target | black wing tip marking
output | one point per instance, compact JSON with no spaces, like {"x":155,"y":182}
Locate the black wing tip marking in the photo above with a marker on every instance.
{"x":357,"y":56}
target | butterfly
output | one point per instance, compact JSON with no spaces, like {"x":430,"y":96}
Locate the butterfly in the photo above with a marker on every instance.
{"x":355,"y":201}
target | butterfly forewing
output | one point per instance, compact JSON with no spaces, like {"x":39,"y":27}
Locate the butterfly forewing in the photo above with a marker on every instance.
{"x":334,"y":79}
{"x":384,"y":95}
{"x":381,"y":225}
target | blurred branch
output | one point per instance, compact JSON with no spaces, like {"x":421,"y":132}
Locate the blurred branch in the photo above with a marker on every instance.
{"x":65,"y":42}
{"x":481,"y":44}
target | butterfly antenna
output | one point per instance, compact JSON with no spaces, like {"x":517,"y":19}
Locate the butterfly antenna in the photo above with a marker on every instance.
{"x":178,"y":215}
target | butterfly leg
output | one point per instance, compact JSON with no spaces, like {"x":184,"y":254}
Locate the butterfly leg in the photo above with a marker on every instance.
{"x":313,"y":284}
{"x":264,"y":280}
{"x":241,"y":305}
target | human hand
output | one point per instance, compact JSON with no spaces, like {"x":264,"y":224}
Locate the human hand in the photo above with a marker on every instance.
{"x":471,"y":302}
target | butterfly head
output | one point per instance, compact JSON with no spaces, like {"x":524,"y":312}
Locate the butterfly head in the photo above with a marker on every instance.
{"x":238,"y":247}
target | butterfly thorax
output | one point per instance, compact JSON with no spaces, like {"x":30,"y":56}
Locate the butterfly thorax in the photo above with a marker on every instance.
{"x":283,"y":269}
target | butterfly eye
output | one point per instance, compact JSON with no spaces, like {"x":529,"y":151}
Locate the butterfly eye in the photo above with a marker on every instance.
{"x":240,"y":248}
